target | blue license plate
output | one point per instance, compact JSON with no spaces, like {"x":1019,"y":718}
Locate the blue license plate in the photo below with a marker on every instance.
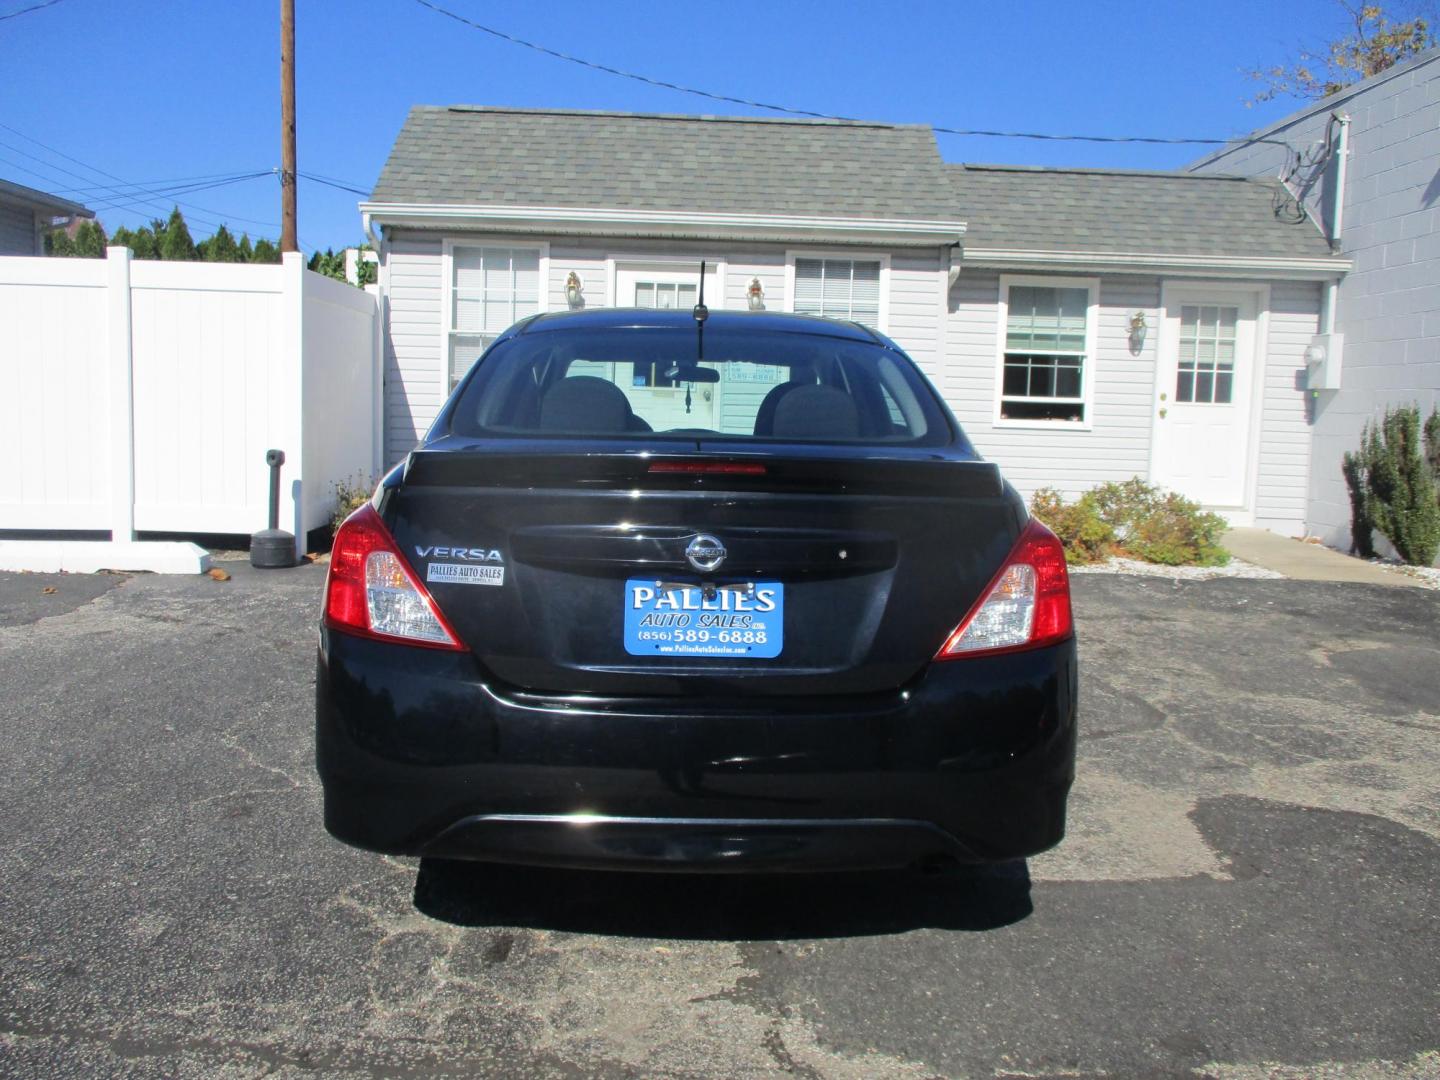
{"x":744,"y":619}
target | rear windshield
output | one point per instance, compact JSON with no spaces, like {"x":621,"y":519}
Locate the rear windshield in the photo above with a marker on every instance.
{"x":647,"y":382}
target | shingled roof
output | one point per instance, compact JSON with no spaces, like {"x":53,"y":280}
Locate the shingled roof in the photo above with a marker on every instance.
{"x":1021,"y":208}
{"x":471,"y":155}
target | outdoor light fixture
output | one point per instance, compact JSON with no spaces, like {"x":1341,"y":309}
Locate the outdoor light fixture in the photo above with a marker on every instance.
{"x":755,"y":295}
{"x":1138,"y":329}
{"x":574,"y":287}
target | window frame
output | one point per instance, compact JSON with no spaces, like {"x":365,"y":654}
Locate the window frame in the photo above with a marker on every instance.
{"x":1088,"y":367}
{"x":447,"y":289}
{"x":883,"y":258}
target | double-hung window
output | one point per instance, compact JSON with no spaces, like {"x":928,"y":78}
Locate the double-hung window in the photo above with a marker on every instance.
{"x":1046,"y":352}
{"x":838,"y":289}
{"x":490,"y":288}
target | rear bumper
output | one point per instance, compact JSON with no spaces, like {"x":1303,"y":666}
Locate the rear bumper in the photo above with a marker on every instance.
{"x":419,"y":756}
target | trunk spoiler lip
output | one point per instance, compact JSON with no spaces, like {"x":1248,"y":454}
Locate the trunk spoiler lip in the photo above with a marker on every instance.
{"x":698,"y":450}
{"x":546,"y":464}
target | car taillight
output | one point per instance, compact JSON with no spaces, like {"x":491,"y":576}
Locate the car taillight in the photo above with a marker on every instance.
{"x":370,"y":591}
{"x":1027,"y":605}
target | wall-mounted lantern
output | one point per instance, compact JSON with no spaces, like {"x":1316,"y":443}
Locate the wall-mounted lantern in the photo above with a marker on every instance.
{"x":755,"y":295}
{"x":1138,"y":329}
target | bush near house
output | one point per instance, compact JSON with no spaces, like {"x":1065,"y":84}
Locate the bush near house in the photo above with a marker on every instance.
{"x":1394,"y":482}
{"x":350,"y":495}
{"x":1136,"y":520}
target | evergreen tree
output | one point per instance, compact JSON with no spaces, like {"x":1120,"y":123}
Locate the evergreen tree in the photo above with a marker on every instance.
{"x":90,"y":240}
{"x":221,"y":247}
{"x":177,"y":245}
{"x":146,"y":245}
{"x":87,"y":243}
{"x":265,"y":252}
{"x":59,"y":245}
{"x":244,"y":252}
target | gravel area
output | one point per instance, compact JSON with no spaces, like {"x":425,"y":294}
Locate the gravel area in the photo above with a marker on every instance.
{"x":1429,"y":576}
{"x":1235,"y":568}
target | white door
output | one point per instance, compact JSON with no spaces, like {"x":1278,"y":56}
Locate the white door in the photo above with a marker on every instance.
{"x":663,"y":402}
{"x":1204,"y":394}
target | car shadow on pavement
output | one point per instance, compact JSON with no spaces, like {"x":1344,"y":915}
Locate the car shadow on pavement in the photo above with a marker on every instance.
{"x":723,"y":907}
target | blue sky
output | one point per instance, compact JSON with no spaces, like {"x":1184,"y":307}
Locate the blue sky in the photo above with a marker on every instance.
{"x":156,"y":90}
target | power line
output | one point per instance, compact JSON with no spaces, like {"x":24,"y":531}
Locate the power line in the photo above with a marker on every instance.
{"x":158,"y":201}
{"x":131,"y":201}
{"x":28,"y":10}
{"x":331,"y":183}
{"x":142,"y":184}
{"x":790,"y":110}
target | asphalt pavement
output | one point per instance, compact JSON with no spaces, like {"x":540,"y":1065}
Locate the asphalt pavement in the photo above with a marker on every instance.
{"x":1250,"y":889}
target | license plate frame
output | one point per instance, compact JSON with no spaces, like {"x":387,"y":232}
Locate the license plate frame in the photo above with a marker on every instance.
{"x":732,"y":620}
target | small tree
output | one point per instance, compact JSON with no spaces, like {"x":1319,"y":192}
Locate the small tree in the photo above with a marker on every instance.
{"x":1400,"y":482}
{"x":89,"y":240}
{"x":244,"y":252}
{"x":220,"y":247}
{"x":177,"y":245}
{"x":1374,"y":44}
{"x":265,"y":252}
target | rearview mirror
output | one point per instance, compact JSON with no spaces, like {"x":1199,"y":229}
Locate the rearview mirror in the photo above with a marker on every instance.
{"x":691,"y":373}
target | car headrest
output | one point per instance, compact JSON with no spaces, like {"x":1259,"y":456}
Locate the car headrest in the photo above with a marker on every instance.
{"x":585,"y":404}
{"x":816,"y":412}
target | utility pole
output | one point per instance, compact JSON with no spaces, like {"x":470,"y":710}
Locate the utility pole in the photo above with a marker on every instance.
{"x":287,"y":126}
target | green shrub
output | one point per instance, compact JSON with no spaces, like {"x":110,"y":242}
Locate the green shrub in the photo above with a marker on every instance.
{"x":1362,"y":538}
{"x":1086,"y":537}
{"x":1402,"y":489}
{"x":1135,"y":519}
{"x":350,"y":495}
{"x":1176,"y":532}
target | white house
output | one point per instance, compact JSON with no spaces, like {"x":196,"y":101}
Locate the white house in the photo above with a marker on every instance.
{"x":1084,"y":325}
{"x":1370,"y":172}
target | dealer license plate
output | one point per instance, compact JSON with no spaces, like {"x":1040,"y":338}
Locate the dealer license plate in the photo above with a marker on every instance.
{"x":744,"y":619}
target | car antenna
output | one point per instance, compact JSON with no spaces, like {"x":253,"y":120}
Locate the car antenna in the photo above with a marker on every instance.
{"x":701,"y":314}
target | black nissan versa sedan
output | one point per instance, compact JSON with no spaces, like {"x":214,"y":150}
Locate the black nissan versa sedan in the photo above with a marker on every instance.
{"x":662,"y":591}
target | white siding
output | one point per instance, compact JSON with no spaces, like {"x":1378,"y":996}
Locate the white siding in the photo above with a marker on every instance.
{"x":1389,"y":307}
{"x":1285,"y":425}
{"x":1116,"y":447}
{"x":916,"y":304}
{"x":414,"y":348}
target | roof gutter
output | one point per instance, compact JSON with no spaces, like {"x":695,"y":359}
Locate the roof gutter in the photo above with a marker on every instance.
{"x":573,"y":221}
{"x":1305,"y":268}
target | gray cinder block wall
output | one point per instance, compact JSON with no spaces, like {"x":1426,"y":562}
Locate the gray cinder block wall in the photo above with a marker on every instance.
{"x":1389,"y":307}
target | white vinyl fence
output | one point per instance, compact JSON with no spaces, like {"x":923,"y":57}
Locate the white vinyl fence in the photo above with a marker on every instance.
{"x":142,"y":396}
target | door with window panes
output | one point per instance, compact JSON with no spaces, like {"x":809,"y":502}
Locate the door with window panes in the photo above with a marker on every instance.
{"x":1203,"y":397}
{"x":655,"y":393}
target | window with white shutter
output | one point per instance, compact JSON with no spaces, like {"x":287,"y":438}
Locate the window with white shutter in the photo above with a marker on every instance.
{"x":838,"y":289}
{"x":1046,"y":352}
{"x":490,"y":288}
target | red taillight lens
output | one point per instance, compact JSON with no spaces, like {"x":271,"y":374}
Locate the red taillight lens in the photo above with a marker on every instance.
{"x":1026,"y":606}
{"x":371,"y":591}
